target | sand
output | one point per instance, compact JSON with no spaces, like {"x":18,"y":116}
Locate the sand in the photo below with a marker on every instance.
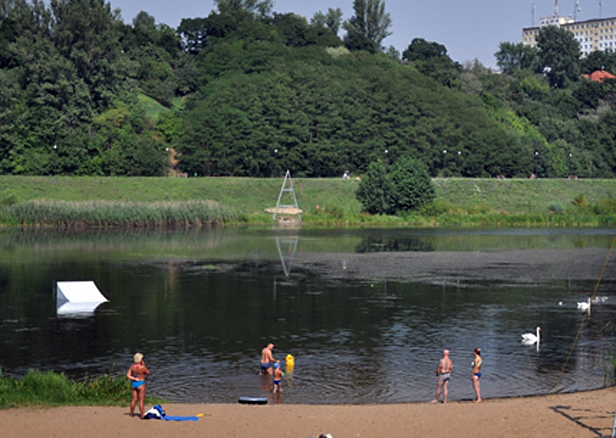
{"x":585,"y":414}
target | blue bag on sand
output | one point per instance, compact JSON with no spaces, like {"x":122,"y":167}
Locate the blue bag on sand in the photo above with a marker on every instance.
{"x":156,"y":413}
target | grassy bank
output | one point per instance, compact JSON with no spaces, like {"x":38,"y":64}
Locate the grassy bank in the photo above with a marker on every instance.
{"x":53,"y":389}
{"x":165,"y":201}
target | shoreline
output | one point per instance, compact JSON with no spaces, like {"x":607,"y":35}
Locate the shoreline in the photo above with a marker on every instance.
{"x":579,"y":415}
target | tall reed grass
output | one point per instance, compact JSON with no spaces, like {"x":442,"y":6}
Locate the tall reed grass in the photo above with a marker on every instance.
{"x":55,"y":389}
{"x":118,"y":214}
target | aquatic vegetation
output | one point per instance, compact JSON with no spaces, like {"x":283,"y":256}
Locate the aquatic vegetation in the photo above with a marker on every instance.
{"x":118,"y":214}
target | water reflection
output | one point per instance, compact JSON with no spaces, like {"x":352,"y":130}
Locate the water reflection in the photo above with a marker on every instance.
{"x":287,"y":247}
{"x":201,"y":306}
{"x":393,"y":244}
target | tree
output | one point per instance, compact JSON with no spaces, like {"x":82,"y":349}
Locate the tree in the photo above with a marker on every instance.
{"x":370,"y":22}
{"x":332,"y":20}
{"x":599,"y":60}
{"x":511,"y":57}
{"x":406,"y":188}
{"x":144,"y":21}
{"x":260,"y":9}
{"x":374,"y":190}
{"x":422,"y":50}
{"x":431,"y":59}
{"x":559,"y":55}
{"x":411,"y":185}
{"x":87,"y":33}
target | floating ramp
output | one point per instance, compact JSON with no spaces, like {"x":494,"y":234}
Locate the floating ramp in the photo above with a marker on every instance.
{"x":77,"y":298}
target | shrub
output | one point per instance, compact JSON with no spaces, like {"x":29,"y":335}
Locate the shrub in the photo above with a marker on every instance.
{"x":478,"y":209}
{"x":580,"y":201}
{"x":8,"y":198}
{"x":605,"y":206}
{"x":408,"y":187}
{"x":411,"y":184}
{"x":375,"y":189}
{"x":556,"y":207}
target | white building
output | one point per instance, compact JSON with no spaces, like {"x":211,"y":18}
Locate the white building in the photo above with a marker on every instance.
{"x":597,"y":34}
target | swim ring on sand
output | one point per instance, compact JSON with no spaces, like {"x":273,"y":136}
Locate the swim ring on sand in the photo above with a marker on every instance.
{"x":253,"y":400}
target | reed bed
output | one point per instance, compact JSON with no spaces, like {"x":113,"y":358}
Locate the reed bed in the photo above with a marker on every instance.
{"x":55,"y":389}
{"x":104,"y":214}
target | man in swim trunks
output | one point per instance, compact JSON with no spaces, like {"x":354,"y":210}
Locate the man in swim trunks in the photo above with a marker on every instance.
{"x":136,"y":374}
{"x":443,"y":374}
{"x":267,"y":359}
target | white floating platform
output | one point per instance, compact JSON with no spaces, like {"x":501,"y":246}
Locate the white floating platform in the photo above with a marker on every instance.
{"x":77,"y":298}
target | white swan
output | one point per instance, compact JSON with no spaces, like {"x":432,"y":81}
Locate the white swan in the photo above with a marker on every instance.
{"x":530,"y":338}
{"x":584,"y":305}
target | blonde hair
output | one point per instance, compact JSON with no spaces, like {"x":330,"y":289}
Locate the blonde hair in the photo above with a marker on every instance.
{"x":138,"y":357}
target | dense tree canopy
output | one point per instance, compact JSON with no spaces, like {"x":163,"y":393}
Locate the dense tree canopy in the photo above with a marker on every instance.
{"x":513,"y":57}
{"x":248,"y":91}
{"x":559,"y":55}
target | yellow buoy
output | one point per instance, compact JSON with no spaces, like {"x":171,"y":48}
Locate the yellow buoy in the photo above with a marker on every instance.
{"x":290,"y":362}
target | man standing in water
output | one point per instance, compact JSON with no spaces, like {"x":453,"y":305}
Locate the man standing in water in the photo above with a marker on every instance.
{"x":443,"y":374}
{"x":267,"y":359}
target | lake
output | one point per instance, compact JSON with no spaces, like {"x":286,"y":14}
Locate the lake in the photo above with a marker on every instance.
{"x":201,"y":304}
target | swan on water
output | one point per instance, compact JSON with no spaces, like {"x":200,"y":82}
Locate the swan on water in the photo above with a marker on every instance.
{"x":584,"y":305}
{"x":530,"y":338}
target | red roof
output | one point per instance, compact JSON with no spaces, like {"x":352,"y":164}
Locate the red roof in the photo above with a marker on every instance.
{"x":599,"y":76}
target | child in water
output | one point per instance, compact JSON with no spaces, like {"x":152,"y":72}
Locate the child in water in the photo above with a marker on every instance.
{"x":278,"y":374}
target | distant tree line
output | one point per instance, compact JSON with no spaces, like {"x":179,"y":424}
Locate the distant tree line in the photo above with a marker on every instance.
{"x":247,"y":91}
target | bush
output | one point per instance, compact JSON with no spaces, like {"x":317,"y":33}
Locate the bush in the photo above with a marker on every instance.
{"x":412,"y":185}
{"x":375,"y":189}
{"x":605,"y":206}
{"x":580,"y":201}
{"x":556,"y":207}
{"x":408,"y":187}
{"x":8,"y":198}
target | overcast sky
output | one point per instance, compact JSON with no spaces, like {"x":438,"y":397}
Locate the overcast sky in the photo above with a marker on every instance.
{"x":468,"y":28}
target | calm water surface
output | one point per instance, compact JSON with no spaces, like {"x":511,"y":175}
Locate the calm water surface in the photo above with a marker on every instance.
{"x":201,"y":304}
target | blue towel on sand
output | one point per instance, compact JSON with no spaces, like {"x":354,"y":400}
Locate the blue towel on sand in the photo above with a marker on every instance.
{"x":179,"y":418}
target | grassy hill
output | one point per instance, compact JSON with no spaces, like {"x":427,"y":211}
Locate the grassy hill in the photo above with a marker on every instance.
{"x":251,"y":196}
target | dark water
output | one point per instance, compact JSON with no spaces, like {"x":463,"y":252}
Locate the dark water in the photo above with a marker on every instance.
{"x":201,"y":304}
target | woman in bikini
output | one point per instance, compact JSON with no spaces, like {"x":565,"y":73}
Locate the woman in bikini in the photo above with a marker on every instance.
{"x":476,"y":374}
{"x":136,"y":374}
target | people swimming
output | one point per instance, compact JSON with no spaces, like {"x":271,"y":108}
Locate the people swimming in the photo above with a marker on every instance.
{"x":136,"y":374}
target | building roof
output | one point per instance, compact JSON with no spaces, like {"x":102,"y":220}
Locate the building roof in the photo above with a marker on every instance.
{"x":599,"y":76}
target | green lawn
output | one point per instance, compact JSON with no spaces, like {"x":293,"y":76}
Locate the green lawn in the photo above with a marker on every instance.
{"x":328,"y":198}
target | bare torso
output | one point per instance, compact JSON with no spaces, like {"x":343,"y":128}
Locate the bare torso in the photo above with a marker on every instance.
{"x":445,"y":366}
{"x":266,"y":355}
{"x":138,"y":372}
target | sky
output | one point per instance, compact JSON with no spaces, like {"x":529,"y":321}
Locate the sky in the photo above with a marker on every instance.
{"x":469,"y":29}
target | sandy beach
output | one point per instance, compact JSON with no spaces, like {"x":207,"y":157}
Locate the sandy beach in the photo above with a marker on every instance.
{"x":579,"y":415}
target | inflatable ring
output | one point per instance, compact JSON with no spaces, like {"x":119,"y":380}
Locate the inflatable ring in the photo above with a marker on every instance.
{"x":253,"y":400}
